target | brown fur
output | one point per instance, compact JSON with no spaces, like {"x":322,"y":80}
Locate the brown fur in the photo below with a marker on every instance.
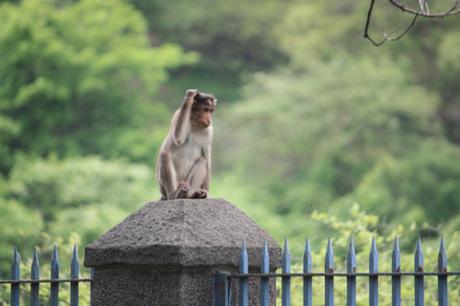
{"x":184,"y":162}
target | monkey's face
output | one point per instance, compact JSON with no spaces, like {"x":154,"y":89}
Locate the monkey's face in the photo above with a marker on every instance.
{"x":202,"y":115}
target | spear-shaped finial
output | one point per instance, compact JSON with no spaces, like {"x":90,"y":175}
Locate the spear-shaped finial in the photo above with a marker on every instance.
{"x":373,"y":258}
{"x":396,"y":256}
{"x":351,"y":257}
{"x":55,"y":264}
{"x":307,"y":259}
{"x":35,"y":269}
{"x":75,"y":265}
{"x":329,"y":261}
{"x":442,"y":257}
{"x":286,"y":260}
{"x":265,"y":266}
{"x":15,"y":272}
{"x":418,"y":258}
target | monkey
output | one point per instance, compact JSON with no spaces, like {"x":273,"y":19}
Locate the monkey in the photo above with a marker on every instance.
{"x":184,"y":161}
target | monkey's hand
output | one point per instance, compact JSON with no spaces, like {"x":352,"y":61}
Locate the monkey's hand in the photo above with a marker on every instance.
{"x":191,"y":93}
{"x":200,"y":194}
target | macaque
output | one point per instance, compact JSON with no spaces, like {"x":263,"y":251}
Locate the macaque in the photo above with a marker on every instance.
{"x":184,"y":161}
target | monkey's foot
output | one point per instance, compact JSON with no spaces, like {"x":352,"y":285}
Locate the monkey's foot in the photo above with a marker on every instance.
{"x":182,"y":189}
{"x":200,"y":194}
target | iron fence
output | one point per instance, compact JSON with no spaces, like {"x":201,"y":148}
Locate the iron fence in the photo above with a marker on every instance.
{"x":222,"y":290}
{"x":35,"y":281}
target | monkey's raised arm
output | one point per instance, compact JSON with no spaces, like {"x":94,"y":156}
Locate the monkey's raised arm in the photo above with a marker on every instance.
{"x":181,"y":123}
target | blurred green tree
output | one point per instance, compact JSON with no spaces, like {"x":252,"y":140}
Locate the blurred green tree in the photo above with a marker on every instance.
{"x":233,"y":36}
{"x":323,"y":130}
{"x":19,"y":227}
{"x":45,"y":200}
{"x":78,"y":78}
{"x":423,"y":186}
{"x":51,"y":186}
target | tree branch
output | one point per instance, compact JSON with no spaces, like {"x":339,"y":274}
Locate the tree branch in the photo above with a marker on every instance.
{"x":386,"y":37}
{"x":454,"y":10}
{"x":396,"y":3}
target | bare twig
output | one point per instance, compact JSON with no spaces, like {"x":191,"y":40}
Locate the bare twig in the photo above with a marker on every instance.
{"x":454,"y":10}
{"x":425,"y":13}
{"x":387,"y":37}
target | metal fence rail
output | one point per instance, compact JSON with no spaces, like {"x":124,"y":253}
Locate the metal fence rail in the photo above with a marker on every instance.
{"x":34,"y":282}
{"x":222,"y":292}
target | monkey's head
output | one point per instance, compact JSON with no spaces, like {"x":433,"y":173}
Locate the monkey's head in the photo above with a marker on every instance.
{"x":203,"y":107}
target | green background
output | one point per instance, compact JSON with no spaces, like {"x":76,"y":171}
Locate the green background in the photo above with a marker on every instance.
{"x":317,"y":133}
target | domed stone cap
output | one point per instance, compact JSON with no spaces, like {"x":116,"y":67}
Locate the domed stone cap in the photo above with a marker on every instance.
{"x":184,"y":232}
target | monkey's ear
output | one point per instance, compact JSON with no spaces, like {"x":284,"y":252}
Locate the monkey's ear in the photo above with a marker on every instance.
{"x":215,"y":102}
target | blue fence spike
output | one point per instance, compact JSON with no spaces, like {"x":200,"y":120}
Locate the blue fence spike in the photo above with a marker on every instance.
{"x":15,"y":275}
{"x":307,"y":259}
{"x":264,"y":281}
{"x":396,"y":256}
{"x":329,"y":280}
{"x":54,"y":288}
{"x":265,"y":268}
{"x":351,"y":257}
{"x":74,"y":274}
{"x":244,"y":268}
{"x":34,"y":275}
{"x":307,"y":280}
{"x":15,"y":271}
{"x":418,"y":260}
{"x":442,"y":257}
{"x":329,"y":261}
{"x":442,"y":279}
{"x":418,"y":279}
{"x":373,"y":280}
{"x":286,"y":260}
{"x":35,"y":269}
{"x":286,"y":280}
{"x":396,"y":279}
{"x":373,"y":258}
{"x":75,"y":265}
{"x":351,"y":280}
{"x":55,"y":264}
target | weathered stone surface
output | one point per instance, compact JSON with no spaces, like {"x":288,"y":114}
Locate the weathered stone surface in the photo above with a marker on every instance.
{"x":182,"y":232}
{"x":167,"y":253}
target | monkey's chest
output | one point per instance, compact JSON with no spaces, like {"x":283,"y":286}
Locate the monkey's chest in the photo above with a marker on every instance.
{"x":190,"y":160}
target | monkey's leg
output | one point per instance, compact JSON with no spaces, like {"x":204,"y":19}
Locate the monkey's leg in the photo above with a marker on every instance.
{"x":167,"y":176}
{"x":203,"y":192}
{"x":197,"y":178}
{"x":182,"y":190}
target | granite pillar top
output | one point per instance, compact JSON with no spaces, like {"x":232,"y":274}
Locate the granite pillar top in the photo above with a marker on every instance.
{"x":184,"y":232}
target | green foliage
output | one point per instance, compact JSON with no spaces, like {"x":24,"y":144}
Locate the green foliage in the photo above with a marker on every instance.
{"x":81,"y":195}
{"x":78,"y":77}
{"x":234,"y":35}
{"x":19,"y":227}
{"x":330,"y":126}
{"x":362,"y":227}
{"x":421,"y":187}
{"x":85,"y":102}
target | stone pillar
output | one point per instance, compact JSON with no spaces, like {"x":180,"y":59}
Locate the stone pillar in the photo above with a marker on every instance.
{"x":167,"y":252}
